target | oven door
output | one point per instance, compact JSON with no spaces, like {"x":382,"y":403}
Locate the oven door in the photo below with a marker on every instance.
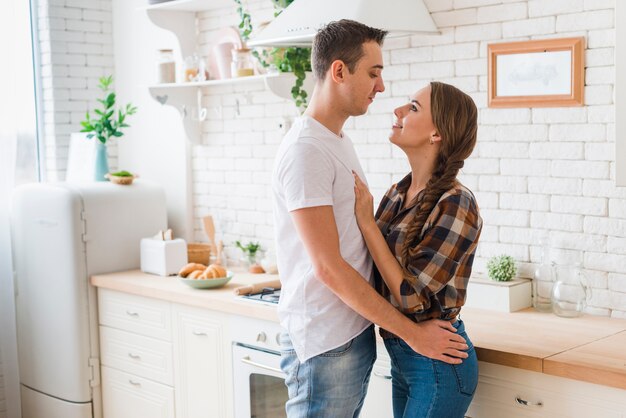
{"x":259,"y":384}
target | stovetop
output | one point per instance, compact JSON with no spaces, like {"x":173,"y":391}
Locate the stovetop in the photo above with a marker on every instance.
{"x":268,"y":295}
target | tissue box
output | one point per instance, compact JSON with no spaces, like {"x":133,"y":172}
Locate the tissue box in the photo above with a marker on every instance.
{"x":164,"y":258}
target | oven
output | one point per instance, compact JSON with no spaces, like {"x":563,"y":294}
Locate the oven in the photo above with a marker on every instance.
{"x":259,"y":384}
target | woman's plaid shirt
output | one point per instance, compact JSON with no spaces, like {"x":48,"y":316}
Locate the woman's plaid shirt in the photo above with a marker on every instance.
{"x":443,"y":257}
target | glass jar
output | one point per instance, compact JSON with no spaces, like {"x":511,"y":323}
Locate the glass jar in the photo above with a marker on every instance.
{"x":570,"y":293}
{"x":192,"y":68}
{"x":242,"y":63}
{"x":166,"y":66}
{"x":543,"y":278}
{"x":268,"y":262}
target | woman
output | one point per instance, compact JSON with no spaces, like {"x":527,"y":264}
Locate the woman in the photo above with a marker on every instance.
{"x":423,"y":241}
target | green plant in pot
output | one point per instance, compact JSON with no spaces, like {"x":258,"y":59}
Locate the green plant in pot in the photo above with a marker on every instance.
{"x":287,"y":60}
{"x":107,"y":123}
{"x":501,"y":268}
{"x":251,"y":252}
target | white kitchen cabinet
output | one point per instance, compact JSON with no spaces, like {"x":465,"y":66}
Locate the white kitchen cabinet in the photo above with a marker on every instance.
{"x":203,"y":364}
{"x":128,"y":396}
{"x":378,"y":400}
{"x":162,"y":359}
{"x":136,"y":356}
{"x":509,"y":392}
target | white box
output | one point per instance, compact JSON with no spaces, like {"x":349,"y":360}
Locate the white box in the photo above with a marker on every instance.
{"x":164,"y":258}
{"x":511,"y":296}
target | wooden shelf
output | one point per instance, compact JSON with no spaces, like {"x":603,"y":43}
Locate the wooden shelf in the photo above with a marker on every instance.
{"x":191,"y":5}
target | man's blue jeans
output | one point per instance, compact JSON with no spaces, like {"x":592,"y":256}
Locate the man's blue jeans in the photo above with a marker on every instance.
{"x":426,"y":388}
{"x":332,"y":384}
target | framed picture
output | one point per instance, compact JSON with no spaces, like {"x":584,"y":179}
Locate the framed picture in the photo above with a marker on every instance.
{"x":543,"y":73}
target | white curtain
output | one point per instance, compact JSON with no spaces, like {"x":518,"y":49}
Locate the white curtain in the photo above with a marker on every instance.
{"x":18,"y":164}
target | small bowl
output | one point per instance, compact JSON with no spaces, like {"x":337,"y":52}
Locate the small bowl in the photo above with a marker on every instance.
{"x":123,"y":180}
{"x":208,"y":283}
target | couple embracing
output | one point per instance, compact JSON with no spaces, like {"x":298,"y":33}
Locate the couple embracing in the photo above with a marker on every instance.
{"x":344,"y":269}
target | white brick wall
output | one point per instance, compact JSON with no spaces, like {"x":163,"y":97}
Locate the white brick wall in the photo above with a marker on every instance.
{"x":76,"y":44}
{"x":534,"y":169}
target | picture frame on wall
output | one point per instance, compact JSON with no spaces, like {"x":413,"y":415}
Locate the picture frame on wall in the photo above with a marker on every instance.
{"x":539,"y":73}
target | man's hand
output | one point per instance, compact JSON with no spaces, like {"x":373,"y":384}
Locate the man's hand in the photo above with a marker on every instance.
{"x":438,"y":340}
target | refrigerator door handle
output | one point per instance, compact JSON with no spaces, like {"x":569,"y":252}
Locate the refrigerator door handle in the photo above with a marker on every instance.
{"x":94,"y":365}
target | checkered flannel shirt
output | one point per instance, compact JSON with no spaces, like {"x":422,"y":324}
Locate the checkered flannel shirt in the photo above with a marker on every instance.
{"x":441,"y":265}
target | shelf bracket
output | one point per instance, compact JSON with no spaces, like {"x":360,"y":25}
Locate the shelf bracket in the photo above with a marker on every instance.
{"x":191,"y":116}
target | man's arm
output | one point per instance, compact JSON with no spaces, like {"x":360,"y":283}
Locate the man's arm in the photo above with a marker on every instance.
{"x":318,"y":231}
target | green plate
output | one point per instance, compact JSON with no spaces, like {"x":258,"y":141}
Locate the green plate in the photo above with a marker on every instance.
{"x":208,"y":283}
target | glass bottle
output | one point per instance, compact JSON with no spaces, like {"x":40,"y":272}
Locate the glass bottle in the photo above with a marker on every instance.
{"x":242,"y":63}
{"x":543,"y":278}
{"x":570,"y":293}
{"x":166,"y":68}
{"x":192,"y":68}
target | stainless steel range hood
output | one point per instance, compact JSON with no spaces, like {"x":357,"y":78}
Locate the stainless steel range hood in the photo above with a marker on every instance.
{"x":300,"y":21}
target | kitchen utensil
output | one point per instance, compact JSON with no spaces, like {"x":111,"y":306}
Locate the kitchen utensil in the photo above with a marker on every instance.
{"x":209,"y":229}
{"x":257,"y":287}
{"x":208,"y":283}
{"x":219,"y":253}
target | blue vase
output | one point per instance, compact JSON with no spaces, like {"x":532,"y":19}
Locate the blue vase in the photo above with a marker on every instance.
{"x":102,"y":163}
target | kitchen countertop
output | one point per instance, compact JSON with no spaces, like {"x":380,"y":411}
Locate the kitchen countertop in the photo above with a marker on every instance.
{"x":587,"y":348}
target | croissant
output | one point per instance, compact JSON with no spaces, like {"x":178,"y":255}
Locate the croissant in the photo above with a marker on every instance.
{"x":189,"y":268}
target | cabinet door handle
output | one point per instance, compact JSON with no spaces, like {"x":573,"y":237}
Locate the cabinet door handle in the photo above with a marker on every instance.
{"x":382,"y":375}
{"x":200,"y":333}
{"x":524,"y":402}
{"x":247,"y":360}
{"x":132,"y":382}
{"x":134,"y":356}
{"x":132,"y":313}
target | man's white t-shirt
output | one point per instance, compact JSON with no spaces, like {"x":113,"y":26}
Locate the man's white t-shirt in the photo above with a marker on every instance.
{"x":314,"y":168}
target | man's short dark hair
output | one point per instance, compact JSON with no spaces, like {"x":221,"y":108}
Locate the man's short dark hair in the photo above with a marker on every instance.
{"x":342,"y":40}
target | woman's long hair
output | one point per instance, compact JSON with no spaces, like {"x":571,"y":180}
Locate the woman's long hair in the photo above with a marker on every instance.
{"x":456,"y":120}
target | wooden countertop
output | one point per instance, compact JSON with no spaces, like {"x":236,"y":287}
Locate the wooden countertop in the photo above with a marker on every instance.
{"x":587,"y":348}
{"x":172,"y":289}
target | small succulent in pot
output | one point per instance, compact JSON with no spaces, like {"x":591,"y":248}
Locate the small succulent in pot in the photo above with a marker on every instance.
{"x":501,"y":268}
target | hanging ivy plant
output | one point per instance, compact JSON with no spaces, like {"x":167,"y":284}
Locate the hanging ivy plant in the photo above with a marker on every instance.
{"x":294,"y":60}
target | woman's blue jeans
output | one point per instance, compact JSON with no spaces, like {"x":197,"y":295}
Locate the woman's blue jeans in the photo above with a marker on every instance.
{"x":426,"y":388}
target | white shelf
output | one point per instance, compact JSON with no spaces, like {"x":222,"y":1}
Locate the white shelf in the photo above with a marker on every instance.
{"x":188,"y":96}
{"x":178,"y":17}
{"x":209,"y":83}
{"x":191,"y":5}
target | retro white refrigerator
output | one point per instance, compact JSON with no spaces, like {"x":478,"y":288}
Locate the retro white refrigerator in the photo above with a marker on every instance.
{"x":62,"y":234}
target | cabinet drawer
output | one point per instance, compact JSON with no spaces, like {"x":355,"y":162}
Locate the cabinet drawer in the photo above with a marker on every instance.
{"x":135,"y":314}
{"x":141,"y":356}
{"x":531,"y":401}
{"x":128,"y":396}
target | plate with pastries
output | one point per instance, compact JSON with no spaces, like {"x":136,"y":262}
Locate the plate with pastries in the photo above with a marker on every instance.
{"x":200,"y":276}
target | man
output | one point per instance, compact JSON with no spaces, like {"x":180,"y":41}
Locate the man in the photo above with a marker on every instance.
{"x":327,"y":301}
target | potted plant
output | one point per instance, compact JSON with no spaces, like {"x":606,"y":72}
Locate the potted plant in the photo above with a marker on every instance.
{"x":107,"y":122}
{"x":251,"y":251}
{"x":287,"y":60}
{"x":121,"y":177}
{"x":501,"y":268}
